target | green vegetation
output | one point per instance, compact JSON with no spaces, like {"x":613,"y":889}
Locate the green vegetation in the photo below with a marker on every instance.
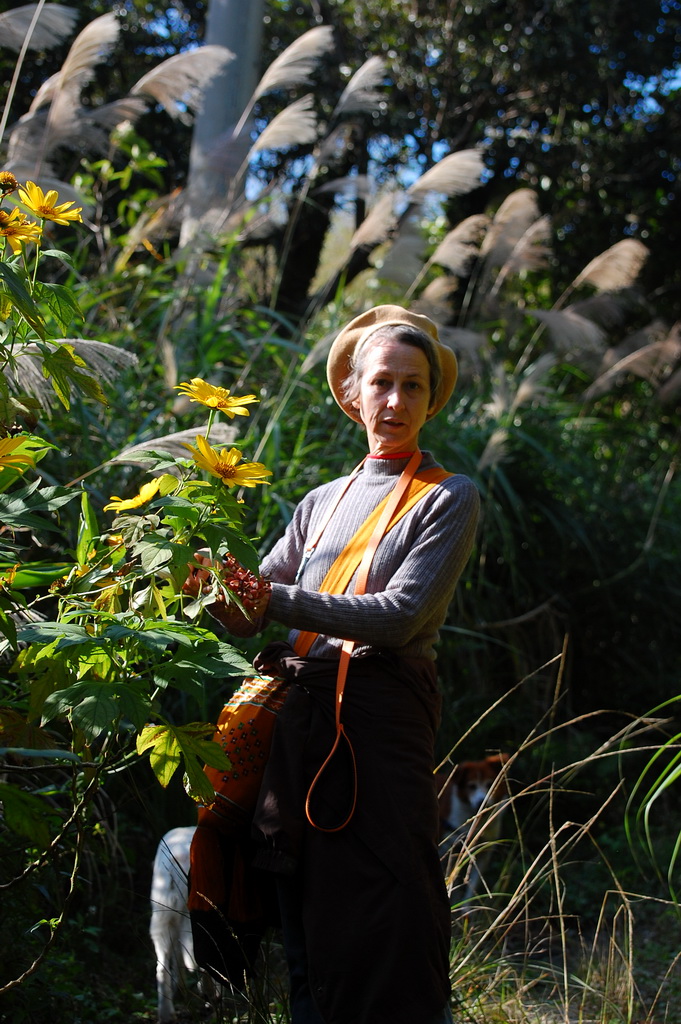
{"x":552,"y":273}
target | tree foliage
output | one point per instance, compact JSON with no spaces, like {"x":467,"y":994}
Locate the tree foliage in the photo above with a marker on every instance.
{"x":577,"y":103}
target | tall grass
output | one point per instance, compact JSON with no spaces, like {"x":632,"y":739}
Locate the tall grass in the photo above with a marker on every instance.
{"x":565,"y":926}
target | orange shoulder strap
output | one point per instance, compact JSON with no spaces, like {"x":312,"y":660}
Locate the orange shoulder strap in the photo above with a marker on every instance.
{"x":347,"y":562}
{"x":358,"y":555}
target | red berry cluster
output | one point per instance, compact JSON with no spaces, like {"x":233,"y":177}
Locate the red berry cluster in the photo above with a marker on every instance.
{"x":253,"y":591}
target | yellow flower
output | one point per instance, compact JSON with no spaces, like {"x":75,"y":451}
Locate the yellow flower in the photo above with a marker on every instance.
{"x":216,"y":398}
{"x":8,"y":183}
{"x":224,"y":464}
{"x":7,"y":578}
{"x":113,"y":540}
{"x":107,"y":600}
{"x":146,"y":493}
{"x":43,"y":204}
{"x":8,"y":446}
{"x":16,"y":228}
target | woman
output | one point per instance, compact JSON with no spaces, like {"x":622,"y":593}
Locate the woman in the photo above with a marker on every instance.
{"x":362,"y":897}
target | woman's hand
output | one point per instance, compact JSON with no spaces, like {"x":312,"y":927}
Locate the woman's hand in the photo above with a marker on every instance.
{"x":253,"y":593}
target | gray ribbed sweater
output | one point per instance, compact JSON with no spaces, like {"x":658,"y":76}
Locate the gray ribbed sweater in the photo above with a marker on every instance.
{"x":413,"y":575}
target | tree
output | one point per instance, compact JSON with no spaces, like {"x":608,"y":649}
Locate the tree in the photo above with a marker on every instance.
{"x":237,"y":27}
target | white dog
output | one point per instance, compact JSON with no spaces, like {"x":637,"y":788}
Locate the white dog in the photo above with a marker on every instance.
{"x":170,"y":927}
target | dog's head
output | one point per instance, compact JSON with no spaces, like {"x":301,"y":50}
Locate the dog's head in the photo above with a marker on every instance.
{"x":474,"y":780}
{"x":472,"y":783}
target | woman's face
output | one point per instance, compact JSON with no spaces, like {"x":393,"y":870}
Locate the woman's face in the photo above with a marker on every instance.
{"x":394,"y":396}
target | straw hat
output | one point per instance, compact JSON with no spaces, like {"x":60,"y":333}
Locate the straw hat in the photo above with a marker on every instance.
{"x":358,"y":330}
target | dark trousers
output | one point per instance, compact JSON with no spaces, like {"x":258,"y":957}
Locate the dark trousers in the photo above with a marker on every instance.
{"x":303,"y":1006}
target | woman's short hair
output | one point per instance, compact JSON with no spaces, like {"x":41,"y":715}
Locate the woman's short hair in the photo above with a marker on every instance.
{"x":405,"y":334}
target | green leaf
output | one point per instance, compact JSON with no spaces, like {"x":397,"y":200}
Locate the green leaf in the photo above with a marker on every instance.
{"x":22,"y":300}
{"x":165,"y":753}
{"x":64,"y":368}
{"x":179,"y":508}
{"x":156,"y":552}
{"x":8,"y":628}
{"x":36,"y":574}
{"x":61,"y":303}
{"x":88,"y":529}
{"x":133,"y":527}
{"x":97,"y":712}
{"x":242,"y":549}
{"x":189,"y":670}
{"x":219,"y":536}
{"x":152,"y":636}
{"x":134,"y":705}
{"x":21,"y":509}
{"x":41,"y":671}
{"x":41,"y":753}
{"x":66,"y":633}
{"x":61,"y":366}
{"x":169,"y":746}
{"x":214,"y":755}
{"x":198,"y":737}
{"x":34,"y":447}
{"x":197,"y":784}
{"x":97,"y":706}
{"x":228,"y":504}
{"x":27,"y":815}
{"x":62,"y":701}
{"x":59,"y":254}
{"x":162,"y":460}
{"x":196,"y":748}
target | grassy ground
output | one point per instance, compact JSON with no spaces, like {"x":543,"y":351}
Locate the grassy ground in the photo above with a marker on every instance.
{"x":562,"y":941}
{"x":622,"y":971}
{"x":530,"y":972}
